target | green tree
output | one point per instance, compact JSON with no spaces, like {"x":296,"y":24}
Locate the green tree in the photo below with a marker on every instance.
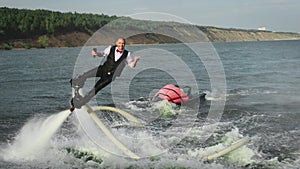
{"x":24,"y":23}
{"x":43,"y":41}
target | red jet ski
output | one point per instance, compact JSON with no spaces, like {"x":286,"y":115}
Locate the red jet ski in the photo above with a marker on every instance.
{"x":178,"y":95}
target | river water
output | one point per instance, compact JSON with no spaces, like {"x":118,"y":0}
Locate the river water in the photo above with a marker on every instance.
{"x":262,"y":102}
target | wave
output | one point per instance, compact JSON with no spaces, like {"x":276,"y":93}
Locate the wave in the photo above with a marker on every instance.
{"x":46,"y":142}
{"x":252,"y":91}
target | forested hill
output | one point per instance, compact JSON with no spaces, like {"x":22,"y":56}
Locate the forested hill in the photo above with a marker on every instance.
{"x":23,"y":28}
{"x":23,"y":23}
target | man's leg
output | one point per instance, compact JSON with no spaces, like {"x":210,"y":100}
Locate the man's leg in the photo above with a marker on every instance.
{"x":79,"y":101}
{"x":80,"y":80}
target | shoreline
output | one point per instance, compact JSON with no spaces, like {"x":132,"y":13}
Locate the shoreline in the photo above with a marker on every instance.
{"x":212,"y":35}
{"x":65,"y":47}
{"x":72,"y":40}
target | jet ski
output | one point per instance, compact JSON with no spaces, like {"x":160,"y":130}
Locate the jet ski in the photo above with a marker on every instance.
{"x":180,"y":96}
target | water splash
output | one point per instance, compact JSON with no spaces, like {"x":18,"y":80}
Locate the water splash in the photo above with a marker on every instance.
{"x":164,"y":108}
{"x":33,"y":139}
{"x":33,"y":147}
{"x":240,"y":156}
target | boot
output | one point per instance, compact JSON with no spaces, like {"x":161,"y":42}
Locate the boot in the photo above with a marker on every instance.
{"x":77,"y":82}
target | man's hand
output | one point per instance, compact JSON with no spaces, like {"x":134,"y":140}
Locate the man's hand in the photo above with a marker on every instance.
{"x":94,"y":53}
{"x":136,"y":59}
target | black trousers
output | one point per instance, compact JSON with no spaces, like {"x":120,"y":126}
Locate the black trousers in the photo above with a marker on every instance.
{"x":105,"y":79}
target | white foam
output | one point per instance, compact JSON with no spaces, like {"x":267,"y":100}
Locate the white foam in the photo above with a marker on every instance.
{"x":33,"y":138}
{"x":240,"y":156}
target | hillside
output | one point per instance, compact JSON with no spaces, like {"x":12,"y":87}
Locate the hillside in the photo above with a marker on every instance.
{"x":230,"y":35}
{"x":22,"y":28}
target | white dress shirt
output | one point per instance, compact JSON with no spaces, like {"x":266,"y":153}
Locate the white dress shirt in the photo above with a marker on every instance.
{"x":118,"y":55}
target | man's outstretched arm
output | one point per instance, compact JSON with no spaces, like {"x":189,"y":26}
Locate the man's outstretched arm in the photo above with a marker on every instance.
{"x":136,"y":59}
{"x":102,"y":53}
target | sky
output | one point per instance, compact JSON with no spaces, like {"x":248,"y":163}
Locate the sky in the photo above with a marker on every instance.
{"x":275,"y":15}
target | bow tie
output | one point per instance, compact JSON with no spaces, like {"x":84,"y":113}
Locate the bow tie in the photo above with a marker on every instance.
{"x":120,"y":51}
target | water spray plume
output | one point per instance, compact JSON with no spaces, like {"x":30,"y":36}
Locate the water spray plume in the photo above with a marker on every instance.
{"x":33,"y":139}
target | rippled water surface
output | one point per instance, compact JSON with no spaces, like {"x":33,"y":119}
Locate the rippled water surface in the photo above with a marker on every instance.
{"x":262,"y":103}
